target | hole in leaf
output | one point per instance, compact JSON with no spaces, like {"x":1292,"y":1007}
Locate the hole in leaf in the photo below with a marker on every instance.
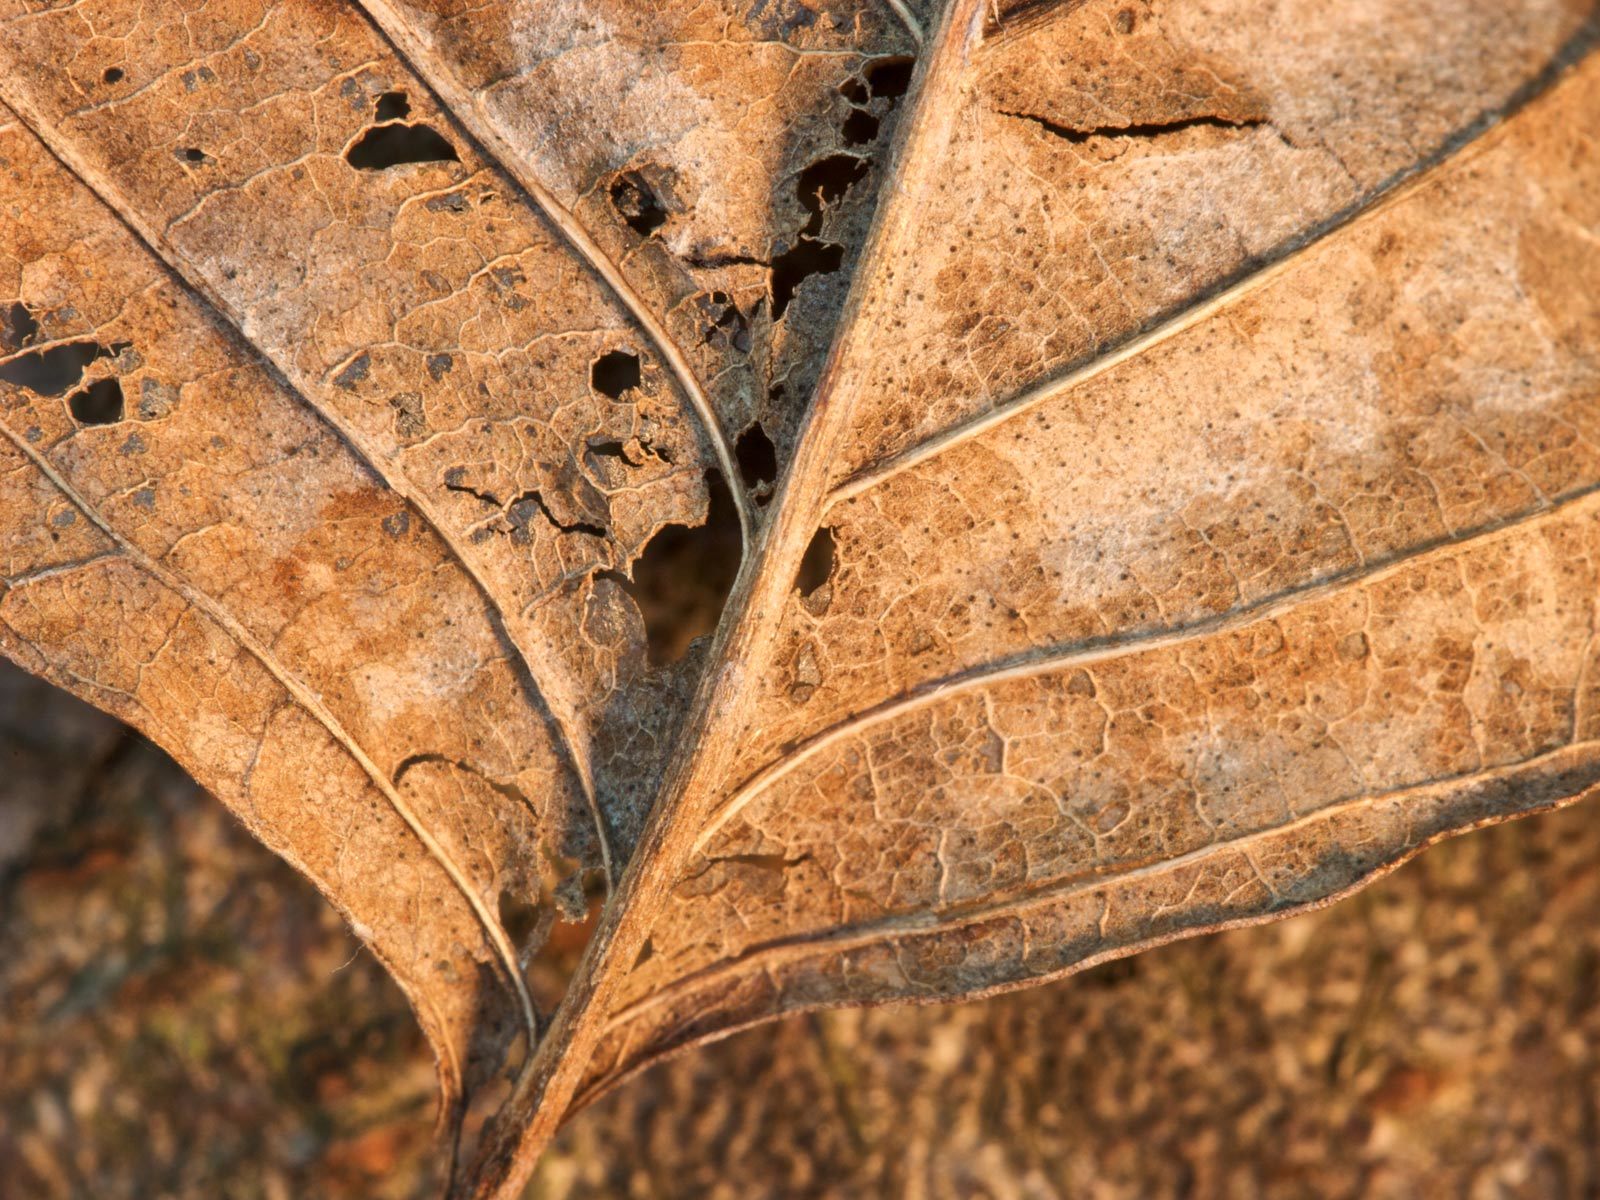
{"x":859,"y":128}
{"x":18,"y":327}
{"x":385,"y":146}
{"x":518,"y":917}
{"x":113,"y":75}
{"x":392,"y":106}
{"x":607,"y":449}
{"x":98,"y":404}
{"x":193,"y":154}
{"x":683,"y":577}
{"x":522,"y":510}
{"x":51,"y":372}
{"x":637,"y":204}
{"x":758,"y":458}
{"x":793,"y":267}
{"x":614,"y":372}
{"x":816,"y":565}
{"x":889,"y":77}
{"x":825,"y":182}
{"x":726,"y":325}
{"x":820,"y":185}
{"x":855,"y":91}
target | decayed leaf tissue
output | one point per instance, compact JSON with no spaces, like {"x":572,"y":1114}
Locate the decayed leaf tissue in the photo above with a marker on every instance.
{"x":675,"y":514}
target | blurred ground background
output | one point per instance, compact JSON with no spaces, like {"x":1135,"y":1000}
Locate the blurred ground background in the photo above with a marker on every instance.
{"x":180,"y":1015}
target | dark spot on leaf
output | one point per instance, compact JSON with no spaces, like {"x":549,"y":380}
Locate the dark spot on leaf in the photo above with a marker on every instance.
{"x":145,"y":497}
{"x":392,"y":106}
{"x":156,"y":399}
{"x":394,"y":145}
{"x":409,"y":421}
{"x":646,"y":953}
{"x":1353,"y":647}
{"x":816,"y":565}
{"x":439,"y":366}
{"x":637,"y":204}
{"x":455,"y":481}
{"x":354,"y":372}
{"x":396,"y":524}
{"x":614,"y":372}
{"x":455,"y":202}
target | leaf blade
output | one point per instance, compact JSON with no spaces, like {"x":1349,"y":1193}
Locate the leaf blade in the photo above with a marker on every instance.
{"x":768,"y":906}
{"x":157,"y":651}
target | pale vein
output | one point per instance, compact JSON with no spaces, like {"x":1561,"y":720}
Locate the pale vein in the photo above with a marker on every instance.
{"x":465,"y":106}
{"x":309,"y":701}
{"x":924,"y":923}
{"x":1052,"y":659}
{"x":1470,"y":141}
{"x":383,"y":468}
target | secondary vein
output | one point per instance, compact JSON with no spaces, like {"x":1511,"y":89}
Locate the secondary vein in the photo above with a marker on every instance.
{"x":465,"y":107}
{"x":308,"y":700}
{"x":1052,"y":659}
{"x":382,"y":468}
{"x":1399,"y":187}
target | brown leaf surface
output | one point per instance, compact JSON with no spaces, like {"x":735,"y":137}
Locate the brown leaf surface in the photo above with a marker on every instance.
{"x":1188,"y":514}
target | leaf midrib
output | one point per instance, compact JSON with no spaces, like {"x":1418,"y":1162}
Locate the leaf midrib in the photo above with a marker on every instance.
{"x":746,"y":630}
{"x":739,"y":647}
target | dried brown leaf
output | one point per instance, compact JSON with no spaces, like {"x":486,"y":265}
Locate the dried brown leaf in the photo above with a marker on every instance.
{"x":1188,"y":513}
